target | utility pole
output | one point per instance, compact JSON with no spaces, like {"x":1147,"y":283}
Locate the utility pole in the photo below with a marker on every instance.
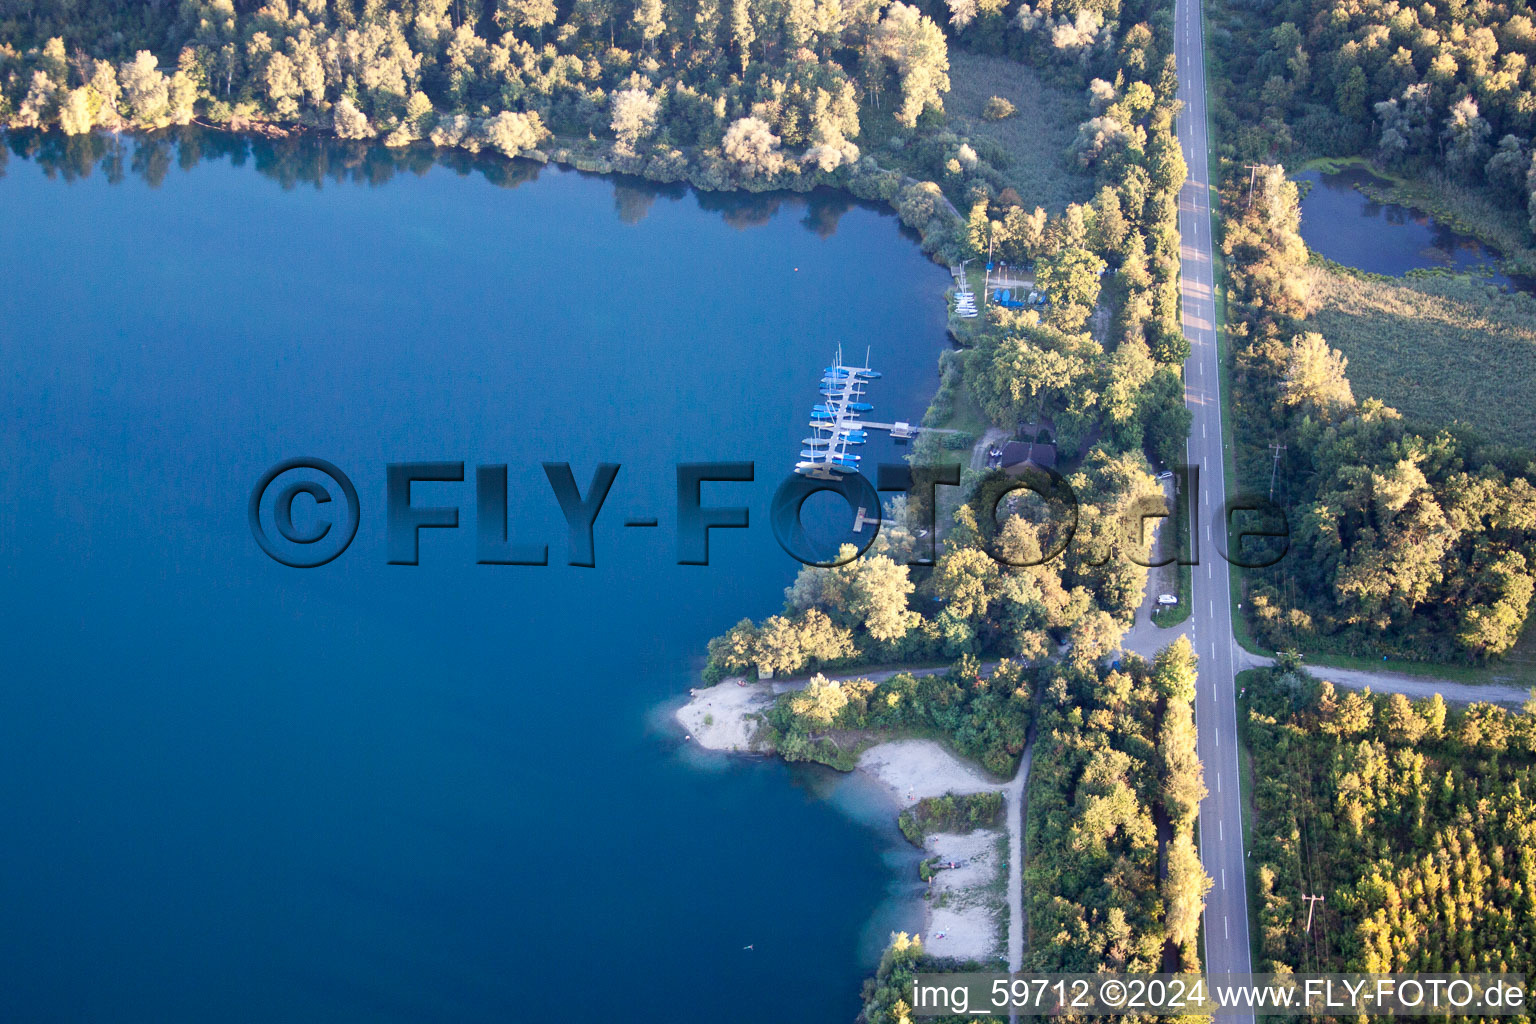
{"x":1312,"y":902}
{"x":1277,"y":449}
{"x":1253,"y":170}
{"x":986,"y":287}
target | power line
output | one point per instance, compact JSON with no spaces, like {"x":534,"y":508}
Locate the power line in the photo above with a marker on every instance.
{"x":1277,"y":449}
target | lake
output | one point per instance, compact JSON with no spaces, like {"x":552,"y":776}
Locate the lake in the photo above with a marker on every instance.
{"x":1345,"y":225}
{"x":236,"y":790}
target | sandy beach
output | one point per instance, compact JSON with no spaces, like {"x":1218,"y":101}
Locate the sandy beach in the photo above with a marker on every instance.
{"x":961,"y":916}
{"x":724,"y":717}
{"x":962,"y":904}
{"x":914,"y":769}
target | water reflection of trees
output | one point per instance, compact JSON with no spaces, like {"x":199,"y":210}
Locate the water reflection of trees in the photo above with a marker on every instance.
{"x":315,"y":161}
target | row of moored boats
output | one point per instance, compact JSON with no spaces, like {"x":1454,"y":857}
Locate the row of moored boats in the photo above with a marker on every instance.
{"x":835,"y":426}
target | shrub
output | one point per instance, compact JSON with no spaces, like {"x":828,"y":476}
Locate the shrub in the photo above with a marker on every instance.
{"x":950,"y":813}
{"x":998,"y":109}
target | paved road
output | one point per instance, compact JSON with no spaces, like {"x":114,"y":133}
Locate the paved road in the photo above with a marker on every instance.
{"x":1221,"y":823}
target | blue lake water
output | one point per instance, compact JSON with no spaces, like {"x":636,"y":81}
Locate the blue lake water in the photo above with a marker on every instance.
{"x":239,"y":791}
{"x":1345,"y":225}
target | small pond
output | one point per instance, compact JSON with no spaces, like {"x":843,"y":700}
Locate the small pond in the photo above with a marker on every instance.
{"x":1347,"y":226}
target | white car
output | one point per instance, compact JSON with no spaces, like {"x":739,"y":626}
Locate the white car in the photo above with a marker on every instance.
{"x":1167,"y":599}
{"x":1166,"y":474}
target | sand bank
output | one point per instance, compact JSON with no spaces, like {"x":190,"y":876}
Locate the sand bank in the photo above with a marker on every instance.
{"x":725,"y":717}
{"x":962,"y":912}
{"x":962,"y":906}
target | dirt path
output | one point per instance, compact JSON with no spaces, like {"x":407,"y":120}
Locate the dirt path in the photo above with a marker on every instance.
{"x":1014,"y":794}
{"x":979,"y":453}
{"x":779,"y":686}
{"x":1414,"y":686}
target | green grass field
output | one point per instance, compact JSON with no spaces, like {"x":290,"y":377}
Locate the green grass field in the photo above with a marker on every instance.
{"x":1440,"y":350}
{"x":1033,"y":142}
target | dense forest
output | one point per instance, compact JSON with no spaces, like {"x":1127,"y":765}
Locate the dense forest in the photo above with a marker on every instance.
{"x":1018,"y":588}
{"x":1112,"y":876}
{"x":1446,"y":92}
{"x":1113,"y":879}
{"x":739,"y":94}
{"x":737,"y":80}
{"x":1410,"y":819}
{"x":1404,"y":541}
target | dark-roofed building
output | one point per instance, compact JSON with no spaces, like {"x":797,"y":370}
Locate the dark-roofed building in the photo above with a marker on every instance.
{"x":1015,"y":455}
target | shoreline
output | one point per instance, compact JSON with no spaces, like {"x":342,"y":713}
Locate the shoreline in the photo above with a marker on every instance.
{"x":874,"y":184}
{"x":959,"y":919}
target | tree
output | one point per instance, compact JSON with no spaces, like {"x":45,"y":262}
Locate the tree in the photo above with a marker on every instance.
{"x":1184,"y":890}
{"x":1023,"y":235}
{"x":1508,"y":167}
{"x":1405,"y":124}
{"x":915,"y":46}
{"x":1100,"y":138}
{"x":820,"y":702}
{"x":735,"y":651}
{"x":182,"y":97}
{"x":1110,"y":230}
{"x":1165,"y":162}
{"x":350,"y":122}
{"x":878,"y":598}
{"x":1315,"y":378}
{"x":75,"y":114}
{"x":834,"y":117}
{"x":743,"y":34}
{"x":1183,"y":782}
{"x":1094,"y":637}
{"x":282,"y":82}
{"x":1350,"y":95}
{"x":978,"y":229}
{"x":634,"y":117}
{"x":1071,"y":280}
{"x":998,"y":109}
{"x":965,"y":579}
{"x":961,"y":13}
{"x":867,"y":592}
{"x":1174,"y":671}
{"x":1404,"y":726}
{"x":534,"y":14}
{"x":105,"y":85}
{"x":1466,"y":138}
{"x":515,"y":134}
{"x":649,"y":21}
{"x":146,"y":93}
{"x":753,"y":148}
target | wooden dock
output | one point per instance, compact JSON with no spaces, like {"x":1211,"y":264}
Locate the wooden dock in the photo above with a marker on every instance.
{"x":907,"y":430}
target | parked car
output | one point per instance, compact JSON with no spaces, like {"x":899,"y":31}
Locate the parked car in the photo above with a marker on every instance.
{"x":1166,"y":474}
{"x":1167,"y":599}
